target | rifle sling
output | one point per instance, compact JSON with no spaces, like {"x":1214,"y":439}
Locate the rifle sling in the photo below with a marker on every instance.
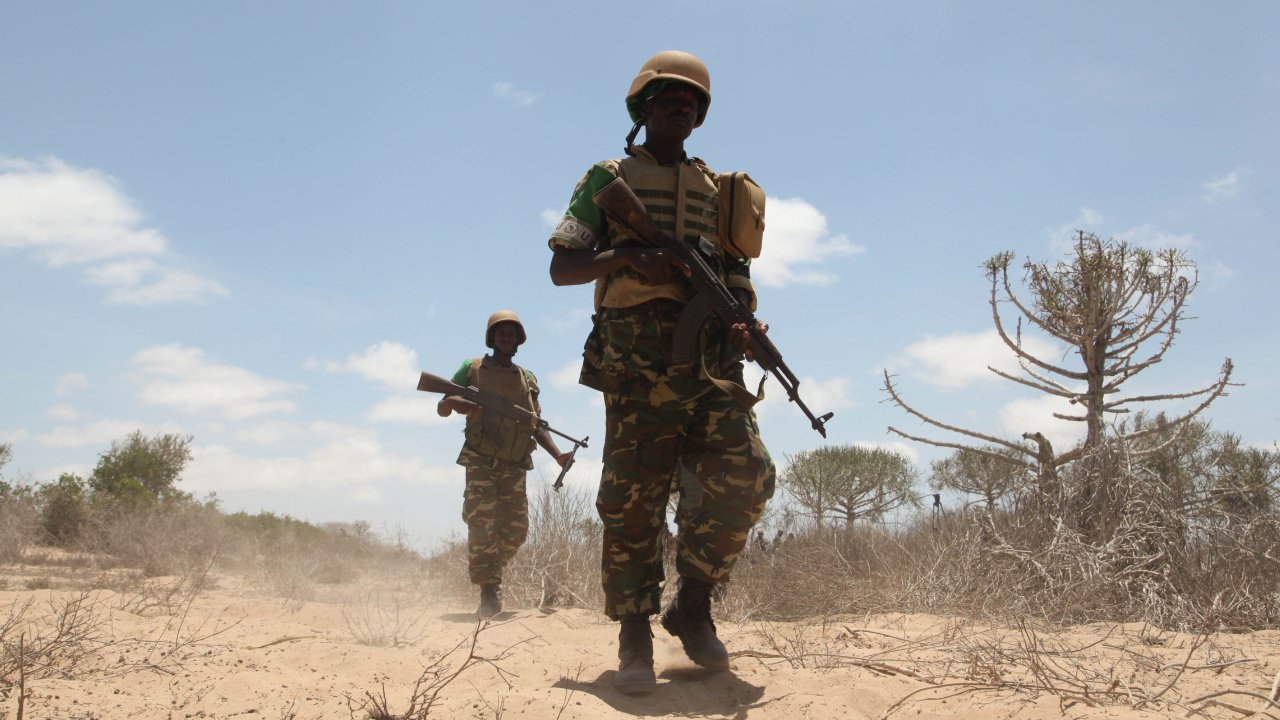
{"x":688,"y":328}
{"x":685,"y":345}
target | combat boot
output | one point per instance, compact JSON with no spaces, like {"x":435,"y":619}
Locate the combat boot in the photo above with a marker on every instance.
{"x":688,"y":617}
{"x":490,"y":600}
{"x":635,"y":656}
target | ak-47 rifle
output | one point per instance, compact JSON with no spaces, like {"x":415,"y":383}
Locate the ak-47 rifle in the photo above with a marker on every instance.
{"x":437,"y":384}
{"x":621,"y":203}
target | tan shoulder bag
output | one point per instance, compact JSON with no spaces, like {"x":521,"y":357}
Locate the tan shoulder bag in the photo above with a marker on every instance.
{"x":741,"y":221}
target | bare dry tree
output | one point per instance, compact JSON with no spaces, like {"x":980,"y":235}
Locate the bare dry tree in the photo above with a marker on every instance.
{"x":1106,"y":302}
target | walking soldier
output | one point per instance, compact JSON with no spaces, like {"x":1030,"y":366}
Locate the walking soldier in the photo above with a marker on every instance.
{"x":667,"y":399}
{"x":497,"y":454}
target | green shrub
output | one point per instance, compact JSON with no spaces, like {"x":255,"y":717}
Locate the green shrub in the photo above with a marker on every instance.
{"x":64,"y":509}
{"x":140,"y":468}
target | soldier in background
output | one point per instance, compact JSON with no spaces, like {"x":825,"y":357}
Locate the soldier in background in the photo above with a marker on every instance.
{"x":658,"y":412}
{"x":497,"y":454}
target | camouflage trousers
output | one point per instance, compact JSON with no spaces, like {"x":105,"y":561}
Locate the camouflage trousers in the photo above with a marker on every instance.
{"x":496,"y":511}
{"x":712,"y":435}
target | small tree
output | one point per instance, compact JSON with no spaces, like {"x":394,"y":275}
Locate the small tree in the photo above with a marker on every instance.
{"x":64,"y":509}
{"x":848,"y":482}
{"x":1208,"y":471}
{"x":974,"y":473}
{"x":1248,"y":478}
{"x":139,"y":467}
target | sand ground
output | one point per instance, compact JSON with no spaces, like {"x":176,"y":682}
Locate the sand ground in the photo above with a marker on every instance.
{"x":230,"y":650}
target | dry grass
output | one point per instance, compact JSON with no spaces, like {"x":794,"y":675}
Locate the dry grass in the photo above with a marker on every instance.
{"x":1134,"y":666}
{"x":437,"y":675}
{"x":1159,"y":581}
{"x":382,"y":618}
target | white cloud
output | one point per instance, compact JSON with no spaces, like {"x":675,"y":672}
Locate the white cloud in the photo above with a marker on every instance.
{"x":566,"y":378}
{"x":551,"y":218}
{"x":390,"y":363}
{"x":65,"y":215}
{"x":348,"y":458}
{"x":507,"y":91}
{"x":1219,"y":273}
{"x":143,"y":281}
{"x":65,"y":413}
{"x":419,"y":409}
{"x":13,"y":436}
{"x":905,"y":449}
{"x":578,"y":317}
{"x":268,"y":433}
{"x":1063,"y":238}
{"x":49,"y":474}
{"x":182,"y":377}
{"x":959,"y":360}
{"x":796,"y":234}
{"x":100,"y":433}
{"x":1036,"y":415}
{"x":68,"y":215}
{"x":367,"y":495}
{"x":70,"y":381}
{"x":1222,"y":188}
{"x":1148,"y":236}
{"x":820,"y":397}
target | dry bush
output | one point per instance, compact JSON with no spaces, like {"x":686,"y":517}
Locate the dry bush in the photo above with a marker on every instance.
{"x":161,"y":539}
{"x":825,"y":572}
{"x":1103,"y":666}
{"x":559,"y":564}
{"x":1112,"y":545}
{"x":134,"y":592}
{"x":1116,"y":545}
{"x":19,"y":526}
{"x":445,"y":569}
{"x":50,"y":640}
{"x":385,"y":619}
{"x":296,"y":560}
{"x":434,"y":679}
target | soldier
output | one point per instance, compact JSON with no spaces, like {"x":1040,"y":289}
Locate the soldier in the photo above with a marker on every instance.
{"x":659,"y":412}
{"x":495,"y":506}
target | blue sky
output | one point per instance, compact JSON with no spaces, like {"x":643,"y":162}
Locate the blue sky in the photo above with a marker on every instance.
{"x":256,"y":222}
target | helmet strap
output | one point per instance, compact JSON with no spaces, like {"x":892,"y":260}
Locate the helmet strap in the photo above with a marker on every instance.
{"x":631,"y":136}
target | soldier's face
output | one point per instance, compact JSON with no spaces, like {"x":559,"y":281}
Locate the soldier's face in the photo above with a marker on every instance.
{"x":673,"y":113}
{"x":506,"y":338}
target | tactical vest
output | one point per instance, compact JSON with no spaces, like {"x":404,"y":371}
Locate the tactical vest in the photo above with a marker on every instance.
{"x":515,"y":439}
{"x":682,"y":200}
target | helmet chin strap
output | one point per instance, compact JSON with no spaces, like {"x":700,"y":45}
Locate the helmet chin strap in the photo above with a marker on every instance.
{"x":631,"y":136}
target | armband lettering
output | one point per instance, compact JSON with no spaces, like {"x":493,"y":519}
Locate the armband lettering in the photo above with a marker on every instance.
{"x":574,"y":232}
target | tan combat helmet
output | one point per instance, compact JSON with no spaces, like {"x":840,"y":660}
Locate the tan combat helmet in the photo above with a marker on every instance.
{"x":670,"y":65}
{"x":500,"y":317}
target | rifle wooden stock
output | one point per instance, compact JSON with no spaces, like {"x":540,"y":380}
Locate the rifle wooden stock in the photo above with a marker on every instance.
{"x":619,"y":201}
{"x":437,"y":384}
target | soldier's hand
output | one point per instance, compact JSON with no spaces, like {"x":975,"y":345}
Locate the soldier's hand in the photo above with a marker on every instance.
{"x":563,"y":458}
{"x":740,"y":337}
{"x":655,"y":266}
{"x":461,"y":405}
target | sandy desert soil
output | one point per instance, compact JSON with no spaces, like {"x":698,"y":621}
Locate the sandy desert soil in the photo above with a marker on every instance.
{"x":155,"y":649}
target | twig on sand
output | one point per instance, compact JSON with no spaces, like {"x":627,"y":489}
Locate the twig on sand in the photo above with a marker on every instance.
{"x":285,"y":639}
{"x":1246,"y":693}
